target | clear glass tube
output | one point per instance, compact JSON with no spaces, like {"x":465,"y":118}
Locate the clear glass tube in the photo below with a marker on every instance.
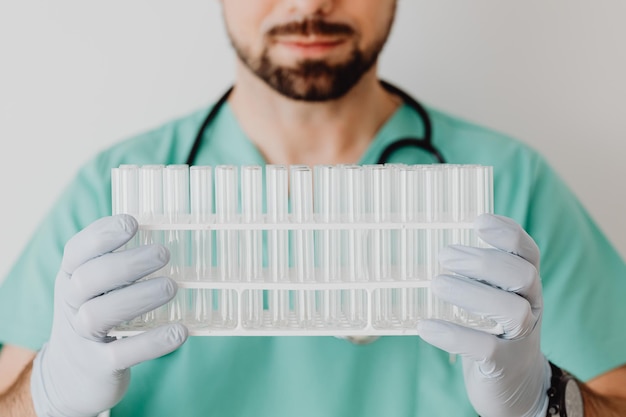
{"x":407,"y":213}
{"x":151,"y":202}
{"x":302,"y":210}
{"x":126,"y":198}
{"x":395,"y":201}
{"x":436,"y":193}
{"x":486,"y":174}
{"x":277,"y":198}
{"x":327,"y":208}
{"x":251,"y":255}
{"x":151,"y":192}
{"x":115,"y":191}
{"x":379,"y":199}
{"x":408,"y":244}
{"x":201,"y":193}
{"x":226,"y":211}
{"x":176,"y":208}
{"x":379,"y":203}
{"x":151,"y":211}
{"x":451,"y":207}
{"x":429,"y":238}
{"x":201,"y":199}
{"x":476,"y":198}
{"x":125,"y":190}
{"x":176,"y":192}
{"x":353,"y":257}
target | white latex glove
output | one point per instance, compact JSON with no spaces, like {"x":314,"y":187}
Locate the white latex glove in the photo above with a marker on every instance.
{"x":506,"y":375}
{"x":81,"y":371}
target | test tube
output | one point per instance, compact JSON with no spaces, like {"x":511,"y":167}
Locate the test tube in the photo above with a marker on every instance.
{"x":277,"y":197}
{"x":379,"y":200}
{"x":302,"y":208}
{"x":327,"y":207}
{"x":438,"y":195}
{"x":115,"y":190}
{"x":201,"y":198}
{"x":423,"y":300}
{"x":407,"y":213}
{"x":125,"y":198}
{"x":125,"y":190}
{"x":476,"y":199}
{"x":226,"y":209}
{"x":450,"y":205}
{"x":398,"y":297}
{"x":407,"y":247}
{"x":430,"y":187}
{"x":453,"y":195}
{"x":486,"y":189}
{"x":251,"y":257}
{"x":452,"y":214}
{"x":151,"y":200}
{"x":352,"y":240}
{"x":486,"y":177}
{"x":151,"y":209}
{"x":379,"y":242}
{"x":176,"y":208}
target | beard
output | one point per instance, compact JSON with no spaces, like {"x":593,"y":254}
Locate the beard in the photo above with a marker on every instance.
{"x":313,"y":80}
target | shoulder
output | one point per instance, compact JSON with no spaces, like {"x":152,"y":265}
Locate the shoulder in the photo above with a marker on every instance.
{"x":167,"y":143}
{"x":464,"y":141}
{"x":523,"y":178}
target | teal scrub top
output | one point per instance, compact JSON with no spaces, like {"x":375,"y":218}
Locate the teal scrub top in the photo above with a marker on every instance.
{"x":584,"y":283}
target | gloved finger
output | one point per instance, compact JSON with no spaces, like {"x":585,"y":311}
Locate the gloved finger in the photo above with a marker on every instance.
{"x":102,"y":236}
{"x":459,"y":340}
{"x":148,"y":345}
{"x":495,"y":267}
{"x":509,"y":310}
{"x":114,"y":270}
{"x":98,"y":316}
{"x":505,"y":234}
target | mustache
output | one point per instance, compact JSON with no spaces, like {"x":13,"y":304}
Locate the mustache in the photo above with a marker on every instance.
{"x":312,"y":26}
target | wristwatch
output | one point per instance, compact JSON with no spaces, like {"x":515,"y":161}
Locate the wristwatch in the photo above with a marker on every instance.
{"x":564,"y":396}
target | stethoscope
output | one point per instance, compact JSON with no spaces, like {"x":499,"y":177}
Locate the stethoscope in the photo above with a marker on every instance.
{"x":424,"y":143}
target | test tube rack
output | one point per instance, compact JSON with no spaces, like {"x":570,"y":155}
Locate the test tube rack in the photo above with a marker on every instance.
{"x":341,"y":250}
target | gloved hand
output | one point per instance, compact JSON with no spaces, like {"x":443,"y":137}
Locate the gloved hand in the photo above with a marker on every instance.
{"x":505,"y":375}
{"x":81,"y":371}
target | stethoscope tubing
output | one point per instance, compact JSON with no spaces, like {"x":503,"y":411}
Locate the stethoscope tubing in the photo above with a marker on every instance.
{"x":424,"y":143}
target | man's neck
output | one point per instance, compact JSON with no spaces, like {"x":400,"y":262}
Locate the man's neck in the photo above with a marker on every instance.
{"x":297,"y":132}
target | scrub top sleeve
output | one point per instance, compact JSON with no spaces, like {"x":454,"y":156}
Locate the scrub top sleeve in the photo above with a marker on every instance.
{"x":583,"y":278}
{"x":26,"y":295}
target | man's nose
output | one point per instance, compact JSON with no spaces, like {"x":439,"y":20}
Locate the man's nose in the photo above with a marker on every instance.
{"x":312,"y":7}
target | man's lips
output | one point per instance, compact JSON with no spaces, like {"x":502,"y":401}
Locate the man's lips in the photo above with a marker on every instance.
{"x":312,"y":45}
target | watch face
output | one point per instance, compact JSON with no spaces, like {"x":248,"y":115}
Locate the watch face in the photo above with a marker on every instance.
{"x":573,"y":400}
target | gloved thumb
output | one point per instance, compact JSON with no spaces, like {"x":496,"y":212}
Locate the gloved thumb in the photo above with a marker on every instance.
{"x":151,"y":344}
{"x":460,"y":340}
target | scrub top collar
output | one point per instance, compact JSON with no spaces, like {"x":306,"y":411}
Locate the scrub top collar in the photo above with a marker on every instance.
{"x":227,"y":142}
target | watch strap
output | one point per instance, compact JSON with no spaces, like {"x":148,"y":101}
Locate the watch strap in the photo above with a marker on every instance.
{"x":556,"y":392}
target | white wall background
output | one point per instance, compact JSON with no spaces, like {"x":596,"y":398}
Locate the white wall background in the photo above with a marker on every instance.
{"x":76,"y":76}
